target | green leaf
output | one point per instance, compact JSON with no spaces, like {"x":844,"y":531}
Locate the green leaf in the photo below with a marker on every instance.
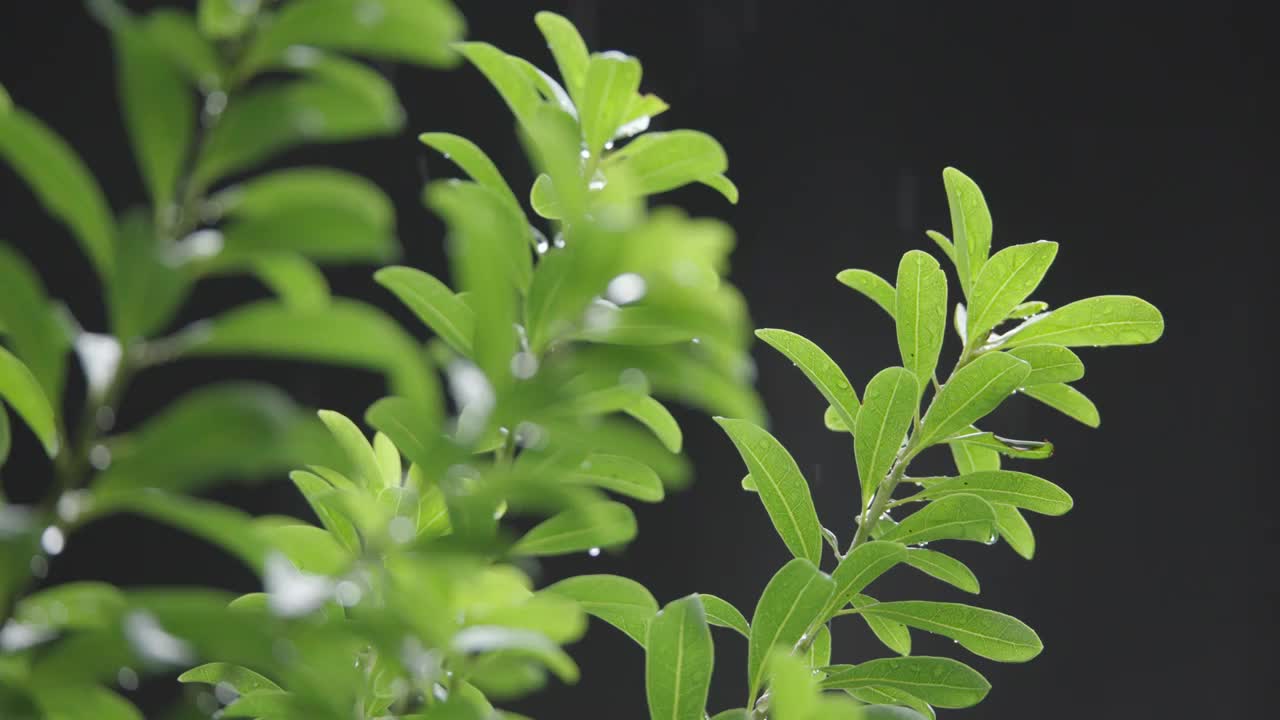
{"x":821,"y":370}
{"x":621,"y":602}
{"x":1066,"y":400}
{"x":1004,"y":486}
{"x":971,"y":393}
{"x":309,"y":548}
{"x":723,"y":185}
{"x":293,"y":278}
{"x":337,"y":100}
{"x":944,"y":568}
{"x":61,"y":183}
{"x":986,"y":633}
{"x":1049,"y":364}
{"x":655,"y":416}
{"x":159,"y":110}
{"x":894,"y":635}
{"x":238,"y":430}
{"x":859,"y":569}
{"x":355,"y":446}
{"x":22,"y":391}
{"x":242,"y":680}
{"x":782,"y":487}
{"x":954,"y":517}
{"x":888,"y":407}
{"x":912,"y":707}
{"x":1005,"y":281}
{"x":921,"y":314}
{"x":473,"y":161}
{"x":413,"y":31}
{"x":678,"y":659}
{"x":791,"y":603}
{"x":723,"y":614}
{"x":434,"y":303}
{"x":543,"y":198}
{"x":793,"y":688}
{"x":175,"y":34}
{"x":619,"y":474}
{"x":944,"y":244}
{"x":492,"y":639}
{"x":226,"y":18}
{"x":597,"y":525}
{"x":1015,"y":530}
{"x":1027,"y":309}
{"x":832,"y":420}
{"x":413,"y":427}
{"x":567,"y":47}
{"x":970,"y":225}
{"x":6,"y":437}
{"x":74,"y":605}
{"x":30,"y":323}
{"x":344,"y":332}
{"x":145,"y":290}
{"x":319,"y":494}
{"x":506,"y":77}
{"x":1095,"y":322}
{"x":66,"y":701}
{"x":611,"y":82}
{"x":657,"y":162}
{"x":938,"y":681}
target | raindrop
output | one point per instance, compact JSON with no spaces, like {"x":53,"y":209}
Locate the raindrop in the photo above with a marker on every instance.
{"x":584,"y":154}
{"x":52,"y":540}
{"x":633,"y":378}
{"x":39,"y":566}
{"x":291,"y":592}
{"x":100,"y":457}
{"x":635,"y":127}
{"x":601,"y":316}
{"x":153,"y":643}
{"x":100,"y":357}
{"x":608,"y":145}
{"x":15,"y":636}
{"x":540,"y":244}
{"x":626,"y":288}
{"x":126,"y":678}
{"x":598,"y":181}
{"x":301,"y":56}
{"x":225,"y":693}
{"x":530,"y":435}
{"x":524,"y":365}
{"x":696,"y":341}
{"x":401,"y":529}
{"x":198,"y":245}
{"x":370,"y":12}
{"x":473,"y":396}
{"x":348,"y":594}
{"x":557,"y":241}
{"x":594,"y":552}
{"x":105,"y":419}
{"x":214,"y":103}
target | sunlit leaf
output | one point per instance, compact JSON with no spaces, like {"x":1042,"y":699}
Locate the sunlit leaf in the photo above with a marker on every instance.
{"x":859,"y":569}
{"x":954,"y":517}
{"x":944,"y":568}
{"x":22,"y":391}
{"x":1049,"y":364}
{"x":1005,"y":281}
{"x":970,"y":394}
{"x":621,"y":602}
{"x":821,"y":370}
{"x":598,"y":525}
{"x":970,"y":226}
{"x":473,"y":161}
{"x":657,"y":162}
{"x":1094,"y":322}
{"x":790,"y":604}
{"x":619,"y":474}
{"x":723,"y":614}
{"x":678,"y":661}
{"x":987,"y":633}
{"x":1066,"y":400}
{"x":888,"y":407}
{"x":921,"y":313}
{"x":1004,"y":486}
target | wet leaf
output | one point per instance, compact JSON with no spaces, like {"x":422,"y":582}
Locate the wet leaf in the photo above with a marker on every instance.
{"x":970,"y":226}
{"x":821,"y":370}
{"x":598,"y":525}
{"x":1049,"y":364}
{"x":888,"y":407}
{"x":1094,"y":322}
{"x":986,"y":633}
{"x":623,"y":603}
{"x":954,"y":517}
{"x":1066,"y":400}
{"x":678,"y":659}
{"x":938,"y":681}
{"x":789,"y":606}
{"x":944,"y":568}
{"x":921,"y":314}
{"x":1003,"y":486}
{"x":970,"y":394}
{"x":1005,"y":281}
{"x":723,"y":614}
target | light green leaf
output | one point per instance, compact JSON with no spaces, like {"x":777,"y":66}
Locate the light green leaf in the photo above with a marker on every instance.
{"x":944,"y":568}
{"x":832,"y":420}
{"x":912,"y":707}
{"x":678,"y":659}
{"x":294,"y":279}
{"x":1027,"y":309}
{"x":782,"y":487}
{"x":859,"y":569}
{"x":1095,"y":322}
{"x":91,"y":701}
{"x":921,"y":313}
{"x":938,"y":681}
{"x":543,"y":198}
{"x":985,"y":441}
{"x":159,"y":110}
{"x":74,"y":605}
{"x":242,"y":680}
{"x":479,"y":639}
{"x":388,"y":460}
{"x":970,"y":225}
{"x":986,"y":633}
{"x":309,"y":548}
{"x":226,"y":18}
{"x":655,"y":416}
{"x":175,"y":34}
{"x":723,"y":185}
{"x":412,"y":31}
{"x":597,"y":525}
{"x":793,"y":688}
{"x":974,"y":457}
{"x":619,"y":474}
{"x":61,"y":182}
{"x":1049,"y":364}
{"x":888,"y":407}
{"x":657,"y":162}
{"x":473,"y":161}
{"x":894,"y":635}
{"x":1005,"y":281}
{"x":356,"y":447}
{"x":944,"y":244}
{"x":320,"y":495}
{"x":22,"y":391}
{"x":821,"y":370}
{"x":611,"y":82}
{"x":506,"y":77}
{"x":791,"y":603}
{"x":621,"y":602}
{"x":1066,"y":400}
{"x":1015,"y":530}
{"x":1004,"y":486}
{"x":567,"y":47}
{"x":970,"y":394}
{"x":434,"y":303}
{"x":954,"y":517}
{"x":723,"y":614}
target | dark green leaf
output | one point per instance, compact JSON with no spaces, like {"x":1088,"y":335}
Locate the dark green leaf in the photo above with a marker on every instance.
{"x":678,"y":659}
{"x":987,"y":633}
{"x":174,"y":33}
{"x":30,"y":323}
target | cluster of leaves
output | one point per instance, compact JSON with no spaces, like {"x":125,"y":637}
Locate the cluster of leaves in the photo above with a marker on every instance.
{"x":789,"y":635}
{"x":206,"y":98}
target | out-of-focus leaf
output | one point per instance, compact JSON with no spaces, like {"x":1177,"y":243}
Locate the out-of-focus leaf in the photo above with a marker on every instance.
{"x":320,"y":494}
{"x":873,"y":286}
{"x":1049,"y":364}
{"x":1093,"y":322}
{"x":61,"y":183}
{"x":782,"y":488}
{"x":938,"y":681}
{"x":223,"y":526}
{"x":598,"y":525}
{"x":944,"y":568}
{"x":567,"y":47}
{"x":174,"y":33}
{"x":29,"y":323}
{"x":921,"y":312}
{"x":145,"y":290}
{"x":619,"y":474}
{"x":889,"y":405}
{"x":22,"y":391}
{"x":793,"y":687}
{"x":621,"y":602}
{"x":1066,"y":400}
{"x":505,"y":76}
{"x":293,"y":278}
{"x":790,"y":604}
{"x":356,"y":447}
{"x":69,"y":701}
{"x":489,"y":638}
{"x":986,"y":633}
{"x":74,"y":605}
{"x":1005,"y":281}
{"x":653,"y":415}
{"x":971,"y":393}
{"x":821,"y":370}
{"x":309,"y":548}
{"x":657,"y":162}
{"x":473,"y":161}
{"x":678,"y":659}
{"x":954,"y":517}
{"x":226,"y":18}
{"x":434,"y":303}
{"x":611,"y":81}
{"x":242,"y":680}
{"x":970,"y":225}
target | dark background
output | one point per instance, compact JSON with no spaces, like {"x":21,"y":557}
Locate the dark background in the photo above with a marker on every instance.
{"x":1133,"y":138}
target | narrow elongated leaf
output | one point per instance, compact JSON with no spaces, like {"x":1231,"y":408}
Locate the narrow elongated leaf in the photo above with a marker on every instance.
{"x":821,"y":370}
{"x":971,"y":393}
{"x":657,"y":162}
{"x":888,"y":407}
{"x":1021,"y":449}
{"x":954,"y":517}
{"x":473,"y":161}
{"x":973,"y":457}
{"x":859,"y":569}
{"x":1094,"y":322}
{"x":293,"y":278}
{"x":75,"y":605}
{"x":159,"y":109}
{"x":174,"y":33}
{"x":873,"y":286}
{"x":1066,"y":400}
{"x":970,"y":225}
{"x":601,"y":524}
{"x":938,"y":681}
{"x":678,"y":660}
{"x":986,"y":633}
{"x":1004,"y":486}
{"x":655,"y":416}
{"x":921,"y":314}
{"x":782,"y":487}
{"x":61,"y":183}
{"x":360,"y":455}
{"x":790,"y":604}
{"x":943,"y":567}
{"x":621,"y":602}
{"x":320,"y":495}
{"x":619,"y":474}
{"x":22,"y":391}
{"x":944,"y":244}
{"x":612,"y":80}
{"x":894,"y":635}
{"x":887,"y":696}
{"x":68,"y":701}
{"x":242,"y":680}
{"x":723,"y":614}
{"x":1015,"y":530}
{"x":30,"y":323}
{"x":434,"y":303}
{"x":505,"y":76}
{"x":6,"y":438}
{"x":1005,"y":281}
{"x":567,"y":47}
{"x":1049,"y":364}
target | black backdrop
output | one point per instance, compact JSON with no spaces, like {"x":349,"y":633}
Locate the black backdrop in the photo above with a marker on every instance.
{"x":1133,"y":138}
